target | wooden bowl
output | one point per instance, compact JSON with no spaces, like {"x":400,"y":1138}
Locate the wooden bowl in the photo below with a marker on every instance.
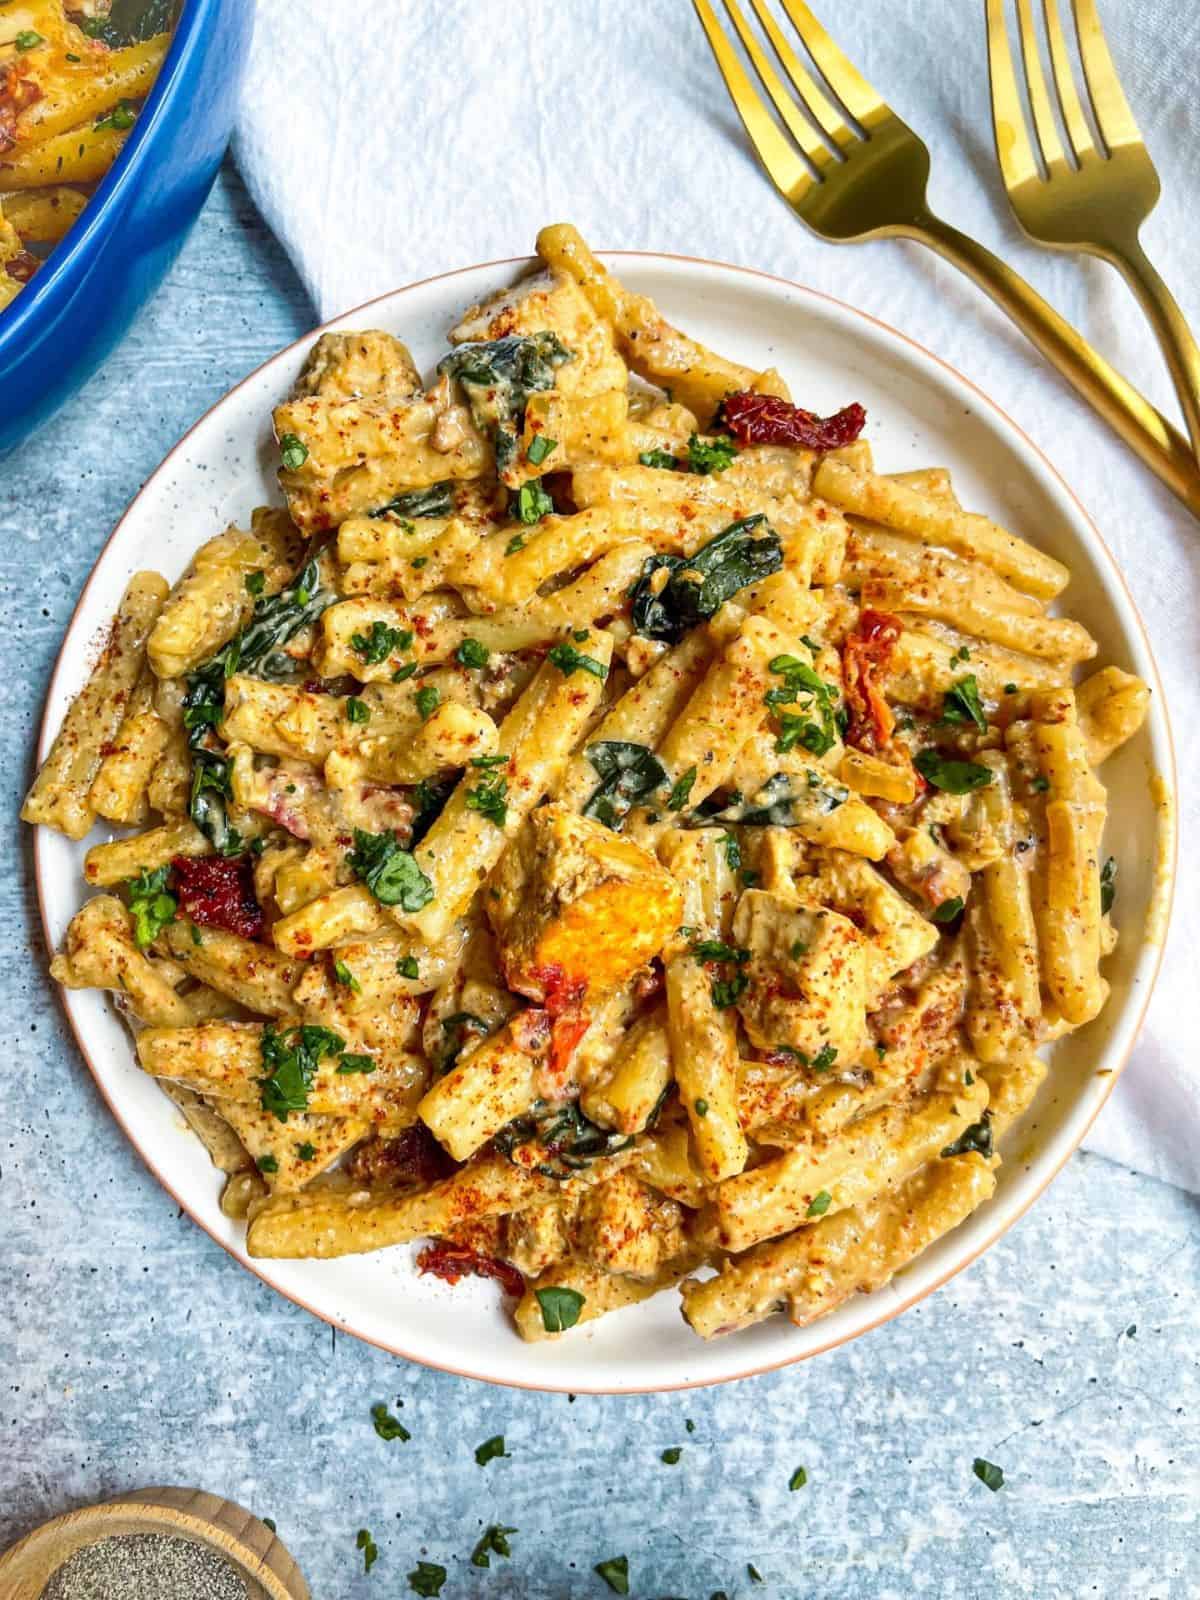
{"x":258,"y":1556}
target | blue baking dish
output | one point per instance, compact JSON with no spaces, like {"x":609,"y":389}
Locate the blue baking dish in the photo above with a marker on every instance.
{"x":60,"y":328}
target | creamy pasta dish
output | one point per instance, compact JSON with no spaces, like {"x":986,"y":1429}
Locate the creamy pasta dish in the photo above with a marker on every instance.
{"x":599,"y":829}
{"x":73,"y":77}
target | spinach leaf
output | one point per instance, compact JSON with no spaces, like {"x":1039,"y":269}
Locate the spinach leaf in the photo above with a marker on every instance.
{"x":255,"y":649}
{"x":783,"y":802}
{"x":955,"y":777}
{"x":977,"y":1137}
{"x":435,"y":501}
{"x":567,"y":1141}
{"x":628,"y":773}
{"x":499,"y":375}
{"x":132,"y":22}
{"x":701,"y":583}
{"x":560,"y":1309}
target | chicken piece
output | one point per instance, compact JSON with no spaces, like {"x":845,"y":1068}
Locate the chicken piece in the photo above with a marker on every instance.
{"x":807,"y":976}
{"x":351,"y":366}
{"x":926,"y":869}
{"x":577,"y":908}
{"x":551,"y":302}
{"x":623,"y":1226}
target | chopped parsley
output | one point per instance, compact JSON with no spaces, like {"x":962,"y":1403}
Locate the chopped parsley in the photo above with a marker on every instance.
{"x":357,"y":710}
{"x":471,"y":653}
{"x":427,"y":1579}
{"x":815,"y":732}
{"x":560,"y":1308}
{"x":293,"y":451}
{"x":391,"y":874}
{"x":490,"y":799}
{"x":407,"y":967}
{"x":29,"y":39}
{"x":494,"y":1543}
{"x":1010,"y":688}
{"x":539,"y":449}
{"x":122,"y":116}
{"x":387,"y":1426}
{"x":350,"y":1064}
{"x":531,"y":503}
{"x":947,"y":910}
{"x":517,"y":542}
{"x":733,"y":851}
{"x":268,"y":1163}
{"x":491,"y":1450}
{"x":615,"y":1573}
{"x":960,"y":655}
{"x":955,"y":777}
{"x":402,"y":674}
{"x":717,"y":950}
{"x":306,"y":1151}
{"x":727,"y":992}
{"x":681,"y":790}
{"x":711,"y":455}
{"x":663,"y":459}
{"x":370,"y":1551}
{"x":798,"y":1479}
{"x":1041,"y":784}
{"x":1108,"y":885}
{"x":427,"y":699}
{"x":152,"y":905}
{"x":819,"y":1204}
{"x":988,"y":1473}
{"x":700,"y":1107}
{"x":568,"y":660}
{"x":291,"y":1057}
{"x":346,"y":978}
{"x":379,"y":641}
{"x":824,"y":1058}
{"x":962,"y":703}
{"x":255,"y":582}
{"x":753,"y":1573}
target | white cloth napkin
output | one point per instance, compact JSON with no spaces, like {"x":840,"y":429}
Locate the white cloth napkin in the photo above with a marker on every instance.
{"x":387,"y":140}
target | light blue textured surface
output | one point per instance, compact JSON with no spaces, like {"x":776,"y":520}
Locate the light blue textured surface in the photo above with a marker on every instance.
{"x":133,"y":1351}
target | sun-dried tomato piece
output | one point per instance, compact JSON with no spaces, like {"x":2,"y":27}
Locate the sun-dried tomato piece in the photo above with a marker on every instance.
{"x":453,"y":1262}
{"x":868,"y":650}
{"x":218,"y":892}
{"x":766,"y":419}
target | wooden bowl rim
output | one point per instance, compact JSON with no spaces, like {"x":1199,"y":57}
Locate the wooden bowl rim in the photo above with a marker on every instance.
{"x":186,"y":1513}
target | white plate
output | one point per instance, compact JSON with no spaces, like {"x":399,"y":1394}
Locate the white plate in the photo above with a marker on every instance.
{"x":920,"y":413}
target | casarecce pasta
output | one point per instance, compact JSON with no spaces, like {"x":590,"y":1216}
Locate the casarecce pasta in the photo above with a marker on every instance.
{"x":600,"y":826}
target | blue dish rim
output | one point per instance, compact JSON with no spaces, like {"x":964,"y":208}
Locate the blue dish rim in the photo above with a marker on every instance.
{"x":65,"y":261}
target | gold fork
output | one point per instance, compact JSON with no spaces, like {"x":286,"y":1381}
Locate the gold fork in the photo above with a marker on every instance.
{"x":1099,"y":203}
{"x":849,"y":185}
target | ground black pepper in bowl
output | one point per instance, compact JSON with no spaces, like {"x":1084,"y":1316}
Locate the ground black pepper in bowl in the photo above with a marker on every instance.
{"x":145,"y":1566}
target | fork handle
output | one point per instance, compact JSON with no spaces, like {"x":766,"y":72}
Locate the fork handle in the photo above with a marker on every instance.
{"x":1170,"y":329}
{"x":1126,"y":410}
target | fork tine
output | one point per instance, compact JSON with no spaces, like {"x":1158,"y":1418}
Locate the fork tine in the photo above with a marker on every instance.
{"x":1113,"y":116}
{"x":1039,"y":99}
{"x":783,"y":163}
{"x":818,"y":105}
{"x":1078,"y":131}
{"x":794,"y":119}
{"x":842,"y":76}
{"x":1013,"y":148}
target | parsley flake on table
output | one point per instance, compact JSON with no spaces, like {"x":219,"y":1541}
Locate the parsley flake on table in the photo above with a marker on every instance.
{"x":491,"y":1450}
{"x":798,"y":1479}
{"x":671,"y":1456}
{"x":493,"y":1543}
{"x":988,"y":1473}
{"x":427,"y":1579}
{"x":387,"y":1426}
{"x":615,"y":1573}
{"x":370,"y":1550}
{"x":753,"y":1573}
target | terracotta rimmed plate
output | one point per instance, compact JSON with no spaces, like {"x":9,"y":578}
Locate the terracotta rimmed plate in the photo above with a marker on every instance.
{"x":921,"y":413}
